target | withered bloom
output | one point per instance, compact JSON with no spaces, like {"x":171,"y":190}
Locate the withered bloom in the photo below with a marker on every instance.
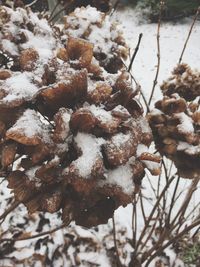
{"x":176,"y":121}
{"x":73,"y":136}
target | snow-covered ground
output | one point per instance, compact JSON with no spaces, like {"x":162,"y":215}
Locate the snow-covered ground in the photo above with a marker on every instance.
{"x":172,"y":38}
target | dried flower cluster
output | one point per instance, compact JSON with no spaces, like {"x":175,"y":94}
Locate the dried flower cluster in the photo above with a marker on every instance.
{"x":73,"y":136}
{"x":176,"y":121}
{"x":94,"y":26}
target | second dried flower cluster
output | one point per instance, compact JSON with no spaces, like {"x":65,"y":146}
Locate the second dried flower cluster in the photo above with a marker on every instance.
{"x":176,"y":121}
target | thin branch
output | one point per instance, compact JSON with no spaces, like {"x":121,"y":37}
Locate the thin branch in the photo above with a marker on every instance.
{"x":153,"y":211}
{"x":150,"y":233}
{"x":185,"y":219}
{"x":139,"y":89}
{"x":189,"y":34}
{"x":135,"y":52}
{"x":134,"y":220}
{"x":142,"y":208}
{"x":171,"y":227}
{"x":31,"y":4}
{"x":115,"y":243}
{"x":186,"y":202}
{"x":66,"y":5}
{"x":10,"y":209}
{"x":158,"y":52}
{"x":114,"y":7}
{"x":172,"y":240}
{"x":54,"y":9}
{"x":35,"y":236}
{"x":173,"y":200}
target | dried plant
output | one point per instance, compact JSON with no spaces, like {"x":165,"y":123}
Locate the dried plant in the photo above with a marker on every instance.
{"x":74,"y":142}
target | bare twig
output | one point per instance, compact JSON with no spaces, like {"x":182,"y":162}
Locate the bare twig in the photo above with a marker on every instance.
{"x":158,"y":52}
{"x":139,"y":89}
{"x":10,"y":209}
{"x":172,"y":240}
{"x":153,"y":211}
{"x":186,"y":202}
{"x":134,"y":220}
{"x":142,"y":208}
{"x":115,"y":243}
{"x":150,"y":233}
{"x":135,"y":52}
{"x":31,"y":4}
{"x":34,"y":236}
{"x":54,"y":9}
{"x":65,"y":6}
{"x":114,"y":7}
{"x":189,"y":34}
{"x":170,"y":227}
{"x":172,"y":201}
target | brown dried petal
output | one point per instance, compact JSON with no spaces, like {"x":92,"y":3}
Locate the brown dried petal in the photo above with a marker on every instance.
{"x":28,"y":58}
{"x":82,"y":120}
{"x":66,"y":94}
{"x":49,"y":172}
{"x":172,"y":105}
{"x":81,"y":50}
{"x":2,"y":128}
{"x":40,"y":153}
{"x":149,"y":157}
{"x":51,"y":201}
{"x":34,"y":204}
{"x":120,"y":148}
{"x":100,"y":94}
{"x":62,"y":54}
{"x":4,"y":74}
{"x":8,"y":153}
{"x":62,"y":130}
{"x":21,"y":138}
{"x":110,"y":127}
{"x":196,"y":117}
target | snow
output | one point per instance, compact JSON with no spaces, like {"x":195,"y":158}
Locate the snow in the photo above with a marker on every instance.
{"x":43,"y":44}
{"x":83,"y":17}
{"x":119,"y":139}
{"x":151,"y":165}
{"x":95,"y":27}
{"x":101,"y":114}
{"x":121,"y":109}
{"x":31,"y":175}
{"x":30,"y":125}
{"x":90,"y":13}
{"x":42,"y":39}
{"x":90,"y":147}
{"x":19,"y":86}
{"x":186,"y":123}
{"x":122,"y":177}
{"x":188,"y":148}
{"x":144,"y":125}
{"x":141,"y":149}
{"x":66,"y":116}
{"x":10,"y":47}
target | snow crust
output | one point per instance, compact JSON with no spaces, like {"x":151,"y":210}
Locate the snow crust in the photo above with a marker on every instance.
{"x":19,"y":86}
{"x":90,"y":147}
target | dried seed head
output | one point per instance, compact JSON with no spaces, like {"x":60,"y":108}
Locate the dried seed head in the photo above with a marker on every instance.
{"x":72,"y":127}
